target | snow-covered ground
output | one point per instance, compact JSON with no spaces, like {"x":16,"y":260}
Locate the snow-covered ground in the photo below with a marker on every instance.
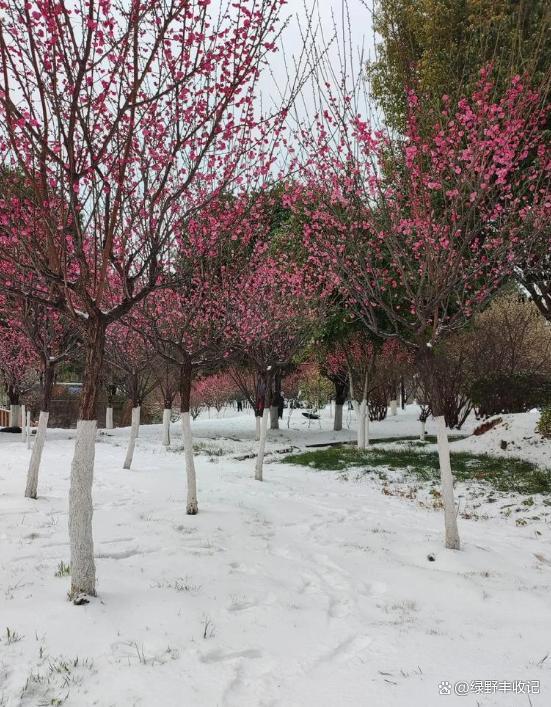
{"x":518,"y":431}
{"x":302,"y":591}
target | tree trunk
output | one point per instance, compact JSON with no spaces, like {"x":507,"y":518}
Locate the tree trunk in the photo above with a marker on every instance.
{"x":366,"y":423}
{"x":362,"y":414}
{"x":23,"y":422}
{"x":186,"y":376}
{"x":262,"y":446}
{"x":111,"y":393}
{"x":15,"y":406}
{"x":109,"y":418}
{"x":274,"y":408}
{"x":36,"y":456}
{"x":432,"y":382}
{"x":257,"y":420}
{"x":341,"y":392}
{"x":267,"y":385}
{"x":28,"y":431}
{"x":356,"y":408}
{"x":446,"y":477}
{"x":393,"y":407}
{"x":15,"y":415}
{"x":274,"y":417}
{"x":133,"y":435}
{"x":136,"y":403}
{"x":83,"y":569}
{"x":192,"y":506}
{"x":167,"y":412}
{"x":423,"y":431}
{"x":337,"y":424}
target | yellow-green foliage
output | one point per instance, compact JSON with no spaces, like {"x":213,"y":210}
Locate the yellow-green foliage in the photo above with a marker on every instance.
{"x":438,"y":46}
{"x":544,"y":424}
{"x":316,"y":390}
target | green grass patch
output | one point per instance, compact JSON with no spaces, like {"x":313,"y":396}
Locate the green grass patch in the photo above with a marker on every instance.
{"x":503,"y":474}
{"x":410,"y":439}
{"x":429,"y":439}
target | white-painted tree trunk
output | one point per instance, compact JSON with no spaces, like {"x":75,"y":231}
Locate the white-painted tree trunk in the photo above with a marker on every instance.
{"x":274,"y":418}
{"x":361,"y":413}
{"x":262,"y":446}
{"x":83,"y":569}
{"x":192,"y":507}
{"x":23,"y":422}
{"x":337,"y":423}
{"x":446,"y":478}
{"x":28,"y":429}
{"x":34,"y":464}
{"x":423,"y":431}
{"x":393,"y":407}
{"x":257,"y":421}
{"x":356,"y":408}
{"x":15,"y":415}
{"x":167,"y":412}
{"x":366,"y":424}
{"x":133,"y":434}
{"x":109,"y":418}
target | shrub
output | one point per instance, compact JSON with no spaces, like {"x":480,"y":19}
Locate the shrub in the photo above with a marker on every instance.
{"x":519,"y":392}
{"x":378,"y":402}
{"x":544,"y":423}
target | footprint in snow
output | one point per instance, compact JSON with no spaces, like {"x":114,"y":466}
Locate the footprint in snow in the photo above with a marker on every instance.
{"x":218,"y":656}
{"x":351,"y":647}
{"x":241,"y":605}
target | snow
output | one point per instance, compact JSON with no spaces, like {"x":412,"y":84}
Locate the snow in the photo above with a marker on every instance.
{"x":303,"y":590}
{"x":519,"y":433}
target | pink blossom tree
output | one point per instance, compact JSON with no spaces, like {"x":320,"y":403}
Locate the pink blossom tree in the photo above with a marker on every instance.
{"x":182,"y":327}
{"x":333,"y":367}
{"x":272,"y":315}
{"x":54,"y":340}
{"x":418,"y":232}
{"x":249,"y":383}
{"x":167,"y":377}
{"x":128,"y":353}
{"x":216,"y":390}
{"x":186,"y":323}
{"x":533,"y":262}
{"x":19,"y":363}
{"x":118,"y":118}
{"x":359,"y":352}
{"x":111,"y":383}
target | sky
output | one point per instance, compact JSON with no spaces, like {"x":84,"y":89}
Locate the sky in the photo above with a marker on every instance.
{"x":356,"y":13}
{"x":334,"y":12}
{"x":342,"y":24}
